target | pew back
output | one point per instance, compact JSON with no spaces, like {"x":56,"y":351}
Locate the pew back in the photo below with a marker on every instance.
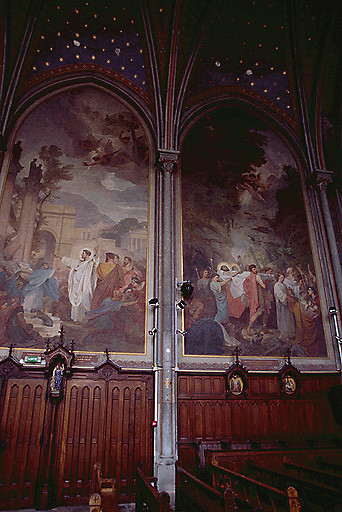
{"x":314,"y":474}
{"x":335,"y":466}
{"x":147,"y":496}
{"x":313,"y":496}
{"x":106,"y":488}
{"x":256,"y":493}
{"x":193,"y":494}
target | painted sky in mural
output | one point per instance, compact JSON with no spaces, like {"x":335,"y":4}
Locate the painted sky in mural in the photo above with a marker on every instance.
{"x":245,"y":243}
{"x":73,"y":247}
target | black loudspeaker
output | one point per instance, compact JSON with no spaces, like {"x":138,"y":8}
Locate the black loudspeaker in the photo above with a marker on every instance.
{"x":335,"y":400}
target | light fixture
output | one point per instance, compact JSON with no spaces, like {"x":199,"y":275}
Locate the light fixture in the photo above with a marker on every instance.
{"x":186,"y":289}
{"x":183,"y":333}
{"x":181,"y":304}
{"x":333,"y":313}
{"x":154,"y":302}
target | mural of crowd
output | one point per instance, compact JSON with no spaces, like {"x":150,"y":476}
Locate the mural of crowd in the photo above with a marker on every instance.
{"x":246,"y":243}
{"x":263,"y":311}
{"x":95,"y":301}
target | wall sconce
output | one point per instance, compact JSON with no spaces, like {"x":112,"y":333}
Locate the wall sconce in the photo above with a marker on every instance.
{"x":333,"y":313}
{"x":154,"y":302}
{"x":186,"y":289}
{"x":181,"y":304}
{"x":183,"y":333}
{"x":153,"y":331}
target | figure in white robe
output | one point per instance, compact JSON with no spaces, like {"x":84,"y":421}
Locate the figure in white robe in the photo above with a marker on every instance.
{"x":292,"y":284}
{"x":285,"y":318}
{"x":81,"y":283}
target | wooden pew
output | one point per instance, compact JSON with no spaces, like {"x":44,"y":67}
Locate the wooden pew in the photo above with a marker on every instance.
{"x":316,"y":475}
{"x":95,"y":503}
{"x":193,"y":494}
{"x":255,"y":493}
{"x":270,"y":458}
{"x":329,"y":465}
{"x":106,"y":488}
{"x":313,"y":496}
{"x":147,"y":496}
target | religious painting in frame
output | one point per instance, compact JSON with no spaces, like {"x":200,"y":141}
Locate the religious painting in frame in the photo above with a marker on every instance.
{"x":74,"y":240}
{"x":246,"y":245}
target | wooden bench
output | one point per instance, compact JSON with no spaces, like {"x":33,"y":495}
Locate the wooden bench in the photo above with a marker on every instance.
{"x":314,"y":474}
{"x":147,"y":496}
{"x":330,"y":465}
{"x":106,"y":489}
{"x":254,"y":493}
{"x":313,"y":496}
{"x":194,"y":494}
{"x":95,"y":503}
{"x":271,"y":458}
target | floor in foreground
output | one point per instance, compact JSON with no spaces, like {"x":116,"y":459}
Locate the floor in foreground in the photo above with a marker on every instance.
{"x":125,"y":507}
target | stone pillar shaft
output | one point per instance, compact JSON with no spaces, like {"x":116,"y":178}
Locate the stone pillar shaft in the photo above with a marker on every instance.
{"x":166,"y":435}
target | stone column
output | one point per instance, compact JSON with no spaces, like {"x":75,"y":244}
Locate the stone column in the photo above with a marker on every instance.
{"x":166,"y":434}
{"x":323,"y":179}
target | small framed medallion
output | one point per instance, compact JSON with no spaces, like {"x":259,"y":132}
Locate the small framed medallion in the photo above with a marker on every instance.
{"x":289,"y":384}
{"x":289,"y":378}
{"x":236,"y":385}
{"x":236,"y":377}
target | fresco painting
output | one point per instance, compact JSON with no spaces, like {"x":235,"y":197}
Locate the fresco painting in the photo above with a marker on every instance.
{"x":246,"y":246}
{"x":73,"y":229}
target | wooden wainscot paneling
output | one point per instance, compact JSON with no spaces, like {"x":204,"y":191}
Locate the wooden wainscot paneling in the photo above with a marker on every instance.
{"x":23,"y":410}
{"x":49,"y":447}
{"x":264,"y":413}
{"x":107,"y":418}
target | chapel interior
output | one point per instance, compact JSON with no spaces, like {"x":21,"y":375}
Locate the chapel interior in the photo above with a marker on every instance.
{"x":170,"y":255}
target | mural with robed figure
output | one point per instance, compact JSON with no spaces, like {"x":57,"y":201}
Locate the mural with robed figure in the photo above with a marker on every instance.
{"x":246,"y":245}
{"x":73,"y":229}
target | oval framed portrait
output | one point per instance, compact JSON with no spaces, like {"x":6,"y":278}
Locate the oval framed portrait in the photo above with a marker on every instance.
{"x":289,"y":384}
{"x":236,"y":385}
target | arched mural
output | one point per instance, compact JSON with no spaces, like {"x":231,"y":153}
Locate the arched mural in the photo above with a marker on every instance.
{"x":74,"y":240}
{"x":246,"y":245}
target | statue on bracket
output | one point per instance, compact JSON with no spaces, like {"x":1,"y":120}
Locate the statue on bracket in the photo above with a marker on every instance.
{"x":56,"y":378}
{"x":59,"y":362}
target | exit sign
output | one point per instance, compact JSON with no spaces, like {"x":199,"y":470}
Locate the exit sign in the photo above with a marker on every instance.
{"x":33,"y":359}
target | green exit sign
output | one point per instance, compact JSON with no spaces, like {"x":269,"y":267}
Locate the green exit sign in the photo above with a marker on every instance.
{"x":33,"y":359}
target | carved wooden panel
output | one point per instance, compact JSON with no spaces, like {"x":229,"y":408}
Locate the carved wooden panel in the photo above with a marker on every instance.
{"x":107,"y":422}
{"x":21,"y":428}
{"x":206,"y":414}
